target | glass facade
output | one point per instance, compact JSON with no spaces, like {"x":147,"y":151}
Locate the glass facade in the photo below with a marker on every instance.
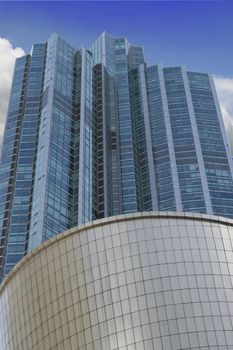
{"x":218,"y":173}
{"x":96,"y":133}
{"x":51,"y":193}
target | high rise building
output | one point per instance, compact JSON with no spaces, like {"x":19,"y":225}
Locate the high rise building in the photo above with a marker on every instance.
{"x":96,"y":133}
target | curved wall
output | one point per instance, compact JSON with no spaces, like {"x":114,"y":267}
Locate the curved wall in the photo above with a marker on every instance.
{"x":132,"y":282}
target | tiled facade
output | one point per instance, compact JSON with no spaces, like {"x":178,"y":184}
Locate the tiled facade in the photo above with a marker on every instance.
{"x":151,"y":281}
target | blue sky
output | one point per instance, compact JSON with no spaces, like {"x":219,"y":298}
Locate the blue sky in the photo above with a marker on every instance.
{"x":195,"y":33}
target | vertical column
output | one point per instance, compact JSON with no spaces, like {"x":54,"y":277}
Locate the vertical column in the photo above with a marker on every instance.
{"x":152,"y":179}
{"x":125,"y":129}
{"x":105,"y":144}
{"x":170,"y":141}
{"x":115,"y":155}
{"x":9,"y":160}
{"x":101,"y":149}
{"x":41,"y":169}
{"x":85,"y":151}
{"x":200,"y":160}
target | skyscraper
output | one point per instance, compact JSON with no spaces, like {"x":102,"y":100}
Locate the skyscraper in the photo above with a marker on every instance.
{"x":95,"y":133}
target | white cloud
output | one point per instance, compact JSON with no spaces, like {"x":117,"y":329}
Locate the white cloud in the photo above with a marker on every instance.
{"x":224,"y":87}
{"x":8,"y":54}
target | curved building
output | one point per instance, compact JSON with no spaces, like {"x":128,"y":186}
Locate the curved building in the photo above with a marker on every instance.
{"x":156,"y":280}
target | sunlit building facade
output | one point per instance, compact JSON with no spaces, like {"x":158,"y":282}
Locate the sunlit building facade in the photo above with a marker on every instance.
{"x":141,"y":281}
{"x":96,"y":133}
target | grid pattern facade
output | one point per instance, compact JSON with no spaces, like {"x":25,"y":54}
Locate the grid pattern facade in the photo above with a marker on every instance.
{"x":211,"y":140}
{"x":51,"y":179}
{"x":148,"y":281}
{"x":96,"y":133}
